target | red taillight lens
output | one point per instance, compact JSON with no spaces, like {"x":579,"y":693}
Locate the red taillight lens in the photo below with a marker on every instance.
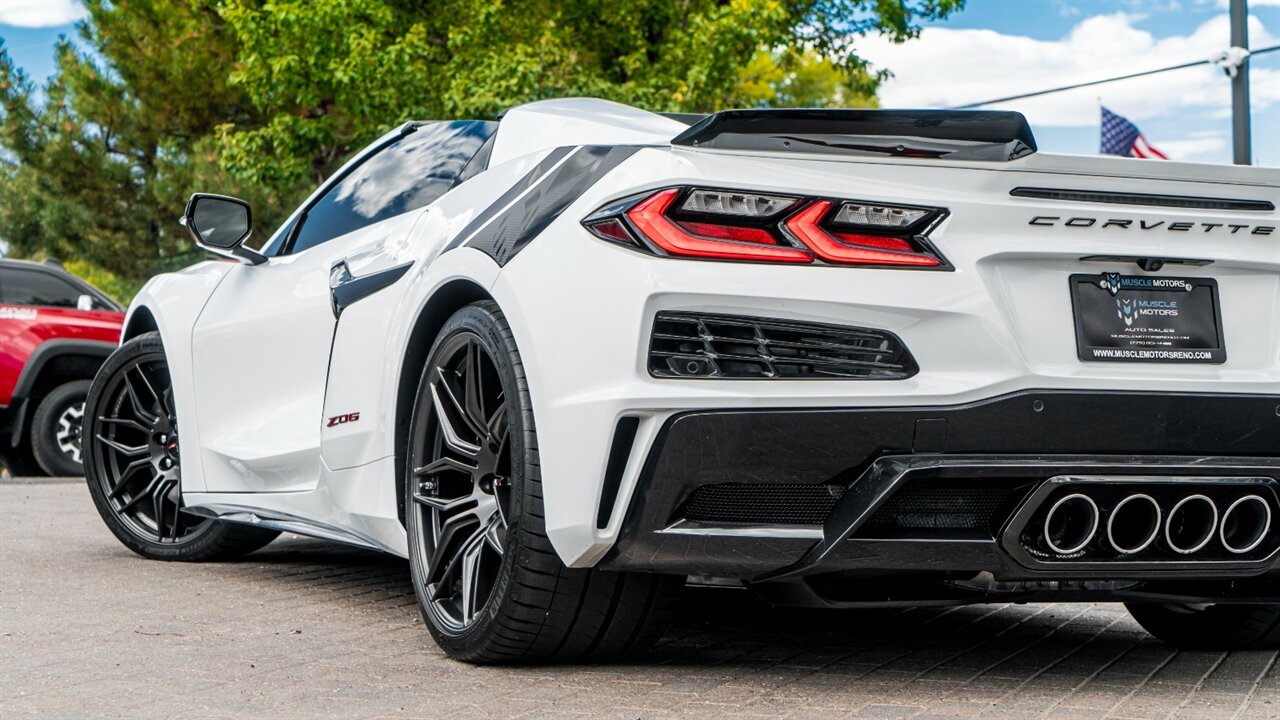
{"x":806,"y":226}
{"x":733,"y":225}
{"x":650,"y":217}
{"x":729,"y":232}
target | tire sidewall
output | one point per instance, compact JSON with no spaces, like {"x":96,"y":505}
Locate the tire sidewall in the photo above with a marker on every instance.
{"x":481,"y":321}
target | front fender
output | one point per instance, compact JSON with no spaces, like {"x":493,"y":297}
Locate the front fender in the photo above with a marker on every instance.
{"x":174,"y":302}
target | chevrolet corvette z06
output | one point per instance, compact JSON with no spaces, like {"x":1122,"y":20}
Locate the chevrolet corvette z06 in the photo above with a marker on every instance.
{"x":566,"y":361}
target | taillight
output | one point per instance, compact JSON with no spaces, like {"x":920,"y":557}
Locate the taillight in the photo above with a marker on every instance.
{"x":850,"y":248}
{"x":723,"y":240}
{"x":760,"y":227}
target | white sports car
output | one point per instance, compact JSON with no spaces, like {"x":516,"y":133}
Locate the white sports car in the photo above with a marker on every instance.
{"x":567,"y":362}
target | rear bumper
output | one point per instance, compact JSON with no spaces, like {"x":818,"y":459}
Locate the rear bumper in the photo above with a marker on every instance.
{"x":702,"y":504}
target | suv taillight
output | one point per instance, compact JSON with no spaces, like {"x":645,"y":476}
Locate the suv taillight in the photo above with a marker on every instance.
{"x":759,"y":227}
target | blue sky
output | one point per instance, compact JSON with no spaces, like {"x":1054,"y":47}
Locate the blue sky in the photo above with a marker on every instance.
{"x":1002,"y":47}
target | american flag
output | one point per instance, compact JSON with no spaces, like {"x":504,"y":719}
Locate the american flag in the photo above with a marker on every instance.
{"x":1121,"y":137}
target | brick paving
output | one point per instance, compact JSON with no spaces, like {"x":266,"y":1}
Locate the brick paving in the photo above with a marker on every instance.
{"x":306,"y":629}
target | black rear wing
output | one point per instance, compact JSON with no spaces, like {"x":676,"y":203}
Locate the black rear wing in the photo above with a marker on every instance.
{"x":991,"y":135}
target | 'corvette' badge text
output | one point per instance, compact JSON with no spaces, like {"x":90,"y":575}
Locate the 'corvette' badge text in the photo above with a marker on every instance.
{"x":1129,"y":224}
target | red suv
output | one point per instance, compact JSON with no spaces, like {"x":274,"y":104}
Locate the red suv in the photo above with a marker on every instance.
{"x":55,"y":331}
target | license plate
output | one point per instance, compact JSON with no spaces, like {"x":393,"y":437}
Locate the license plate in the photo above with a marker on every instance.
{"x":1128,"y":318}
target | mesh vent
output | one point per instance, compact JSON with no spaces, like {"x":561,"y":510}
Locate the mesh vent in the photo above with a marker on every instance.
{"x":933,"y":508}
{"x":771,"y":504}
{"x":724,"y":346}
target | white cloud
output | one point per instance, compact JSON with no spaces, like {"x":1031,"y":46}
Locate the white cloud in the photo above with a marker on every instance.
{"x":40,"y":13}
{"x":945,"y":68}
{"x":1205,"y":144}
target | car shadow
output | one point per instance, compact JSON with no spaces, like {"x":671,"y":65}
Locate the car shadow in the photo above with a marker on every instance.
{"x":733,"y":627}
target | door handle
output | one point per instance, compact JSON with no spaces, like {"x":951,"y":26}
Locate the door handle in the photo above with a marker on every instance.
{"x":339,"y":274}
{"x":345,"y":288}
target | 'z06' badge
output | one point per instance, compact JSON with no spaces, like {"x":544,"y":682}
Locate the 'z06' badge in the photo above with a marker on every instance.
{"x":343,"y":419}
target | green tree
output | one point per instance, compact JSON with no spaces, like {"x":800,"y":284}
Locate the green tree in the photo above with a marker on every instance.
{"x":329,"y":74}
{"x":98,"y":162}
{"x":264,"y":98}
{"x":801,"y":78}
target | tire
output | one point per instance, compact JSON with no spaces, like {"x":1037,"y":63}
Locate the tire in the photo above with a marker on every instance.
{"x":55,"y":429}
{"x":526,"y":606}
{"x":133,"y":467}
{"x":1213,"y":627}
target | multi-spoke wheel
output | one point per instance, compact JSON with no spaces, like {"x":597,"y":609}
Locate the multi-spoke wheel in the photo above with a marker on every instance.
{"x":461,"y":489}
{"x":56,"y":429}
{"x":133,"y":463}
{"x":489,"y":583}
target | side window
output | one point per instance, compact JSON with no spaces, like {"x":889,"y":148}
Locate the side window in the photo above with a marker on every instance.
{"x":407,"y":174}
{"x":30,"y":287}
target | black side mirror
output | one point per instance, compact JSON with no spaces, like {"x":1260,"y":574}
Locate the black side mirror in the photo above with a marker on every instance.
{"x":221,"y":224}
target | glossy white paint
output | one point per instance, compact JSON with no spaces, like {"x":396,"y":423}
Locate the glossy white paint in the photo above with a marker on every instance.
{"x":581,"y":309}
{"x":175,"y":300}
{"x":549,"y":124}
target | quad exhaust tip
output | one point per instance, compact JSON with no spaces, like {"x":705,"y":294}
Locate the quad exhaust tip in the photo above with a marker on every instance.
{"x":1071,"y":524}
{"x":1134,"y":523}
{"x":1137,"y":521}
{"x":1191,"y":525}
{"x":1245,"y":524}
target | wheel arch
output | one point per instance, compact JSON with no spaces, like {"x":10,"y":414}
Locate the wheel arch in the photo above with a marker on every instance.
{"x":141,"y":320}
{"x":54,"y":362}
{"x":448,"y":299}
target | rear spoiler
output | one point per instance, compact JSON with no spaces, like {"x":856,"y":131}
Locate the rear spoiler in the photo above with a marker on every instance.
{"x":991,"y":135}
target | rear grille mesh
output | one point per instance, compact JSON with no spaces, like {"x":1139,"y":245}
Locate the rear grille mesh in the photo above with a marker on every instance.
{"x":766,"y":504}
{"x":696,"y":345}
{"x":935,"y":508}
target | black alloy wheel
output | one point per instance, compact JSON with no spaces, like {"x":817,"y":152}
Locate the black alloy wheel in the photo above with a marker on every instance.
{"x":461,"y":488}
{"x":489,"y":583}
{"x":133,"y":462}
{"x":136,"y":445}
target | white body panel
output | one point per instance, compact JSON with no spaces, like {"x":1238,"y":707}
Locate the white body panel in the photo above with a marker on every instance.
{"x":581,"y":310}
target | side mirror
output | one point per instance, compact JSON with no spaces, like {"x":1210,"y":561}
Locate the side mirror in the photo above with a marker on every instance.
{"x":84,"y":302}
{"x":221,"y":224}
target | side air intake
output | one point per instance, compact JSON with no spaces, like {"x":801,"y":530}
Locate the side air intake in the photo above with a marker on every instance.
{"x":696,"y":345}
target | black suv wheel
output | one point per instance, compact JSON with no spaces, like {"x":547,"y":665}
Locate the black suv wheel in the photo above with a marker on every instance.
{"x":56,"y":428}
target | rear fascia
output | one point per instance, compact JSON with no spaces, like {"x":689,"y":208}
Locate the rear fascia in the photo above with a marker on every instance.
{"x":1037,"y":434}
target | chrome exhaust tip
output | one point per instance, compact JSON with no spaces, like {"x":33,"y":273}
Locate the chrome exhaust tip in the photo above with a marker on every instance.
{"x":1134,"y":523}
{"x":1191,"y":524}
{"x":1071,"y":524}
{"x":1245,"y":524}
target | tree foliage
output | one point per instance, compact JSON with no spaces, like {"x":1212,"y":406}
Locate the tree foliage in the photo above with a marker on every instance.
{"x":264,"y":98}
